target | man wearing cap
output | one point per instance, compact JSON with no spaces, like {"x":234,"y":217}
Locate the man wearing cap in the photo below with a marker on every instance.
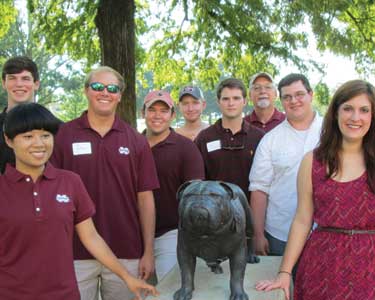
{"x":228,"y":146}
{"x":263,"y":95}
{"x":273,"y":176}
{"x":177,"y":160}
{"x":116,"y":165}
{"x":191,"y":105}
{"x":20,"y":79}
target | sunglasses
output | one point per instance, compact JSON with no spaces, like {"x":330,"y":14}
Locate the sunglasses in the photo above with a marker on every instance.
{"x":99,"y":87}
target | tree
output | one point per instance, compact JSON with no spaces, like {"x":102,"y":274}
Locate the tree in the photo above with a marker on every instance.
{"x":60,"y":83}
{"x":82,"y":28}
{"x":202,"y":40}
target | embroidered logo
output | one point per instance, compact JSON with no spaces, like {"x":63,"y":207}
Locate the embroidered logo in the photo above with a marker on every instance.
{"x":124,"y":150}
{"x":62,"y":198}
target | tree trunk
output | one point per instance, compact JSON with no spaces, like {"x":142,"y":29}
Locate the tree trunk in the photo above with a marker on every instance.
{"x":116,"y":29}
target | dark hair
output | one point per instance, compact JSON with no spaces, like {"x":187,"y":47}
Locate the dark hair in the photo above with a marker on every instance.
{"x":18,"y":64}
{"x":231,"y":83}
{"x":331,"y":136}
{"x":293,"y":77}
{"x":29,"y":116}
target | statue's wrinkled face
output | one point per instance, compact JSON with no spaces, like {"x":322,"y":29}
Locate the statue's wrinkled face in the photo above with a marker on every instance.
{"x":206,"y":212}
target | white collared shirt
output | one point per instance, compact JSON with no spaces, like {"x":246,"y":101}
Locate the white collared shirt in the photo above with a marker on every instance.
{"x":274,"y":172}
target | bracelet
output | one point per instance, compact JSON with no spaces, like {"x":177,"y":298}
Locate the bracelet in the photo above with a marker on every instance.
{"x":286,"y":272}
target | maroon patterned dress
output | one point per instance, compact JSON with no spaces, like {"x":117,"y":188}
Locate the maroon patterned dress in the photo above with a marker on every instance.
{"x":337,"y":266}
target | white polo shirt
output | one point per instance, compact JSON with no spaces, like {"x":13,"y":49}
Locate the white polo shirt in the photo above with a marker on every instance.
{"x":274,"y":171}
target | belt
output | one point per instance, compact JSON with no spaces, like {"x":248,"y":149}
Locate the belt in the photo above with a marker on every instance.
{"x":345,"y":231}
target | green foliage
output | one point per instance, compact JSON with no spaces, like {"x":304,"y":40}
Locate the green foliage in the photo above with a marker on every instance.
{"x":7,"y":16}
{"x":321,"y":97}
{"x":203,"y":41}
{"x":60,"y":82}
{"x":67,"y":27}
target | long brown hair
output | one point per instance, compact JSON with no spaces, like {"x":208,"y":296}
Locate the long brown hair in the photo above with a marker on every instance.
{"x":331,"y":136}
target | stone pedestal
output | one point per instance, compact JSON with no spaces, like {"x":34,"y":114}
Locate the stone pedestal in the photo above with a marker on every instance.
{"x":216,"y":286}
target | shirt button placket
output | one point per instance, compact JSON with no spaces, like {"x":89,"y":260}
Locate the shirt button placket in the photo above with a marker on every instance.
{"x":37,"y":204}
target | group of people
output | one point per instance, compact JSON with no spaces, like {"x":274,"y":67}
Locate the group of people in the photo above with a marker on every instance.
{"x":59,"y":228}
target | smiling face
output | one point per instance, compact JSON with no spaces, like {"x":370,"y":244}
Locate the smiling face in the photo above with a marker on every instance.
{"x":32,"y":150}
{"x":20,"y":88}
{"x":191,"y":108}
{"x":297,"y":102}
{"x":158,"y":117}
{"x":103,"y":103}
{"x":354,"y":118}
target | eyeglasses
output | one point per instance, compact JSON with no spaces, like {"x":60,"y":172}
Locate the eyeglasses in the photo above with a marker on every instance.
{"x":298,"y":96}
{"x":99,"y":87}
{"x":240,"y":147}
{"x":258,"y":88}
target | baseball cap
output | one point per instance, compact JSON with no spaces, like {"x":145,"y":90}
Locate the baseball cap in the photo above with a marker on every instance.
{"x":260,"y":74}
{"x":192,"y":91}
{"x":158,"y":95}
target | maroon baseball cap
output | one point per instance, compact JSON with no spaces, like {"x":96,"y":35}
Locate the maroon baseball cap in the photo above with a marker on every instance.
{"x":158,"y":95}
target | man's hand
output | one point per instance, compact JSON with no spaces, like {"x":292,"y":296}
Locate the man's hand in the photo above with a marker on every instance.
{"x":261,"y":245}
{"x":146,"y":266}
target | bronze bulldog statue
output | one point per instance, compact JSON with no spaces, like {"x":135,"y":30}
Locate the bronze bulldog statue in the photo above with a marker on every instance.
{"x":215,"y":225}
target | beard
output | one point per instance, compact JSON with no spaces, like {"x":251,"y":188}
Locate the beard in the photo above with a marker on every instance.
{"x":264,"y":103}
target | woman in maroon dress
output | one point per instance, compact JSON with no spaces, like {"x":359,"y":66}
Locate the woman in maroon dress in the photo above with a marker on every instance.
{"x":336,"y":190}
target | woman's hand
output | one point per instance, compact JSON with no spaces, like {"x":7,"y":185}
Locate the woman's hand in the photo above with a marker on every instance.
{"x":137,"y":286}
{"x":282,"y":281}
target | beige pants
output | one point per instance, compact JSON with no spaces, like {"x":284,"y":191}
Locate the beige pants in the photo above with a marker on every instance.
{"x":93,"y":278}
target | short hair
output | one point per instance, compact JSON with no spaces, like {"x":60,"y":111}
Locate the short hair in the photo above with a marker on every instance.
{"x":18,"y":64}
{"x":231,"y":83}
{"x":29,"y":116}
{"x":105,"y":69}
{"x":293,"y":77}
{"x":331,"y":136}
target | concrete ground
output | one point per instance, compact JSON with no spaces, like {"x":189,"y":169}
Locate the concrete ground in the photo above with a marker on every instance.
{"x":216,"y":286}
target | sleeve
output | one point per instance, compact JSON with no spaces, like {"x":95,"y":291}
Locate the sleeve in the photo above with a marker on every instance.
{"x":147,"y":175}
{"x":261,"y":172}
{"x":193,"y":167}
{"x":84,"y":206}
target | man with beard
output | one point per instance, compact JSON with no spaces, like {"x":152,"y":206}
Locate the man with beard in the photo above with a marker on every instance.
{"x":263,"y":94}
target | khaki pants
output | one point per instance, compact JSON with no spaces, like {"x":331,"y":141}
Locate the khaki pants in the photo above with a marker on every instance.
{"x":94,"y":279}
{"x":165,"y":248}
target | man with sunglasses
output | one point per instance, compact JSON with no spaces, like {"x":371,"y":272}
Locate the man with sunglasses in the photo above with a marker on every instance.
{"x":177,"y":160}
{"x":263,"y":94}
{"x":191,"y":105}
{"x":116,"y":165}
{"x":273,"y":176}
{"x":20,"y":79}
{"x":229,"y":145}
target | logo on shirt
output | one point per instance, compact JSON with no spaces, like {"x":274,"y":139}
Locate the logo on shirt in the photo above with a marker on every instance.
{"x":124,"y":150}
{"x":62,"y":198}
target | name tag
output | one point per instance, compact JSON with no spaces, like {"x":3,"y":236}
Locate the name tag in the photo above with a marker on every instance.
{"x":81,"y":148}
{"x":214,"y":145}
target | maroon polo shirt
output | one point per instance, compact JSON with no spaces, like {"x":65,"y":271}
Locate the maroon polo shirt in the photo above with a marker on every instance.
{"x":36,"y":233}
{"x":229,"y":157}
{"x":177,"y":160}
{"x":114,"y":168}
{"x":275,"y":120}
